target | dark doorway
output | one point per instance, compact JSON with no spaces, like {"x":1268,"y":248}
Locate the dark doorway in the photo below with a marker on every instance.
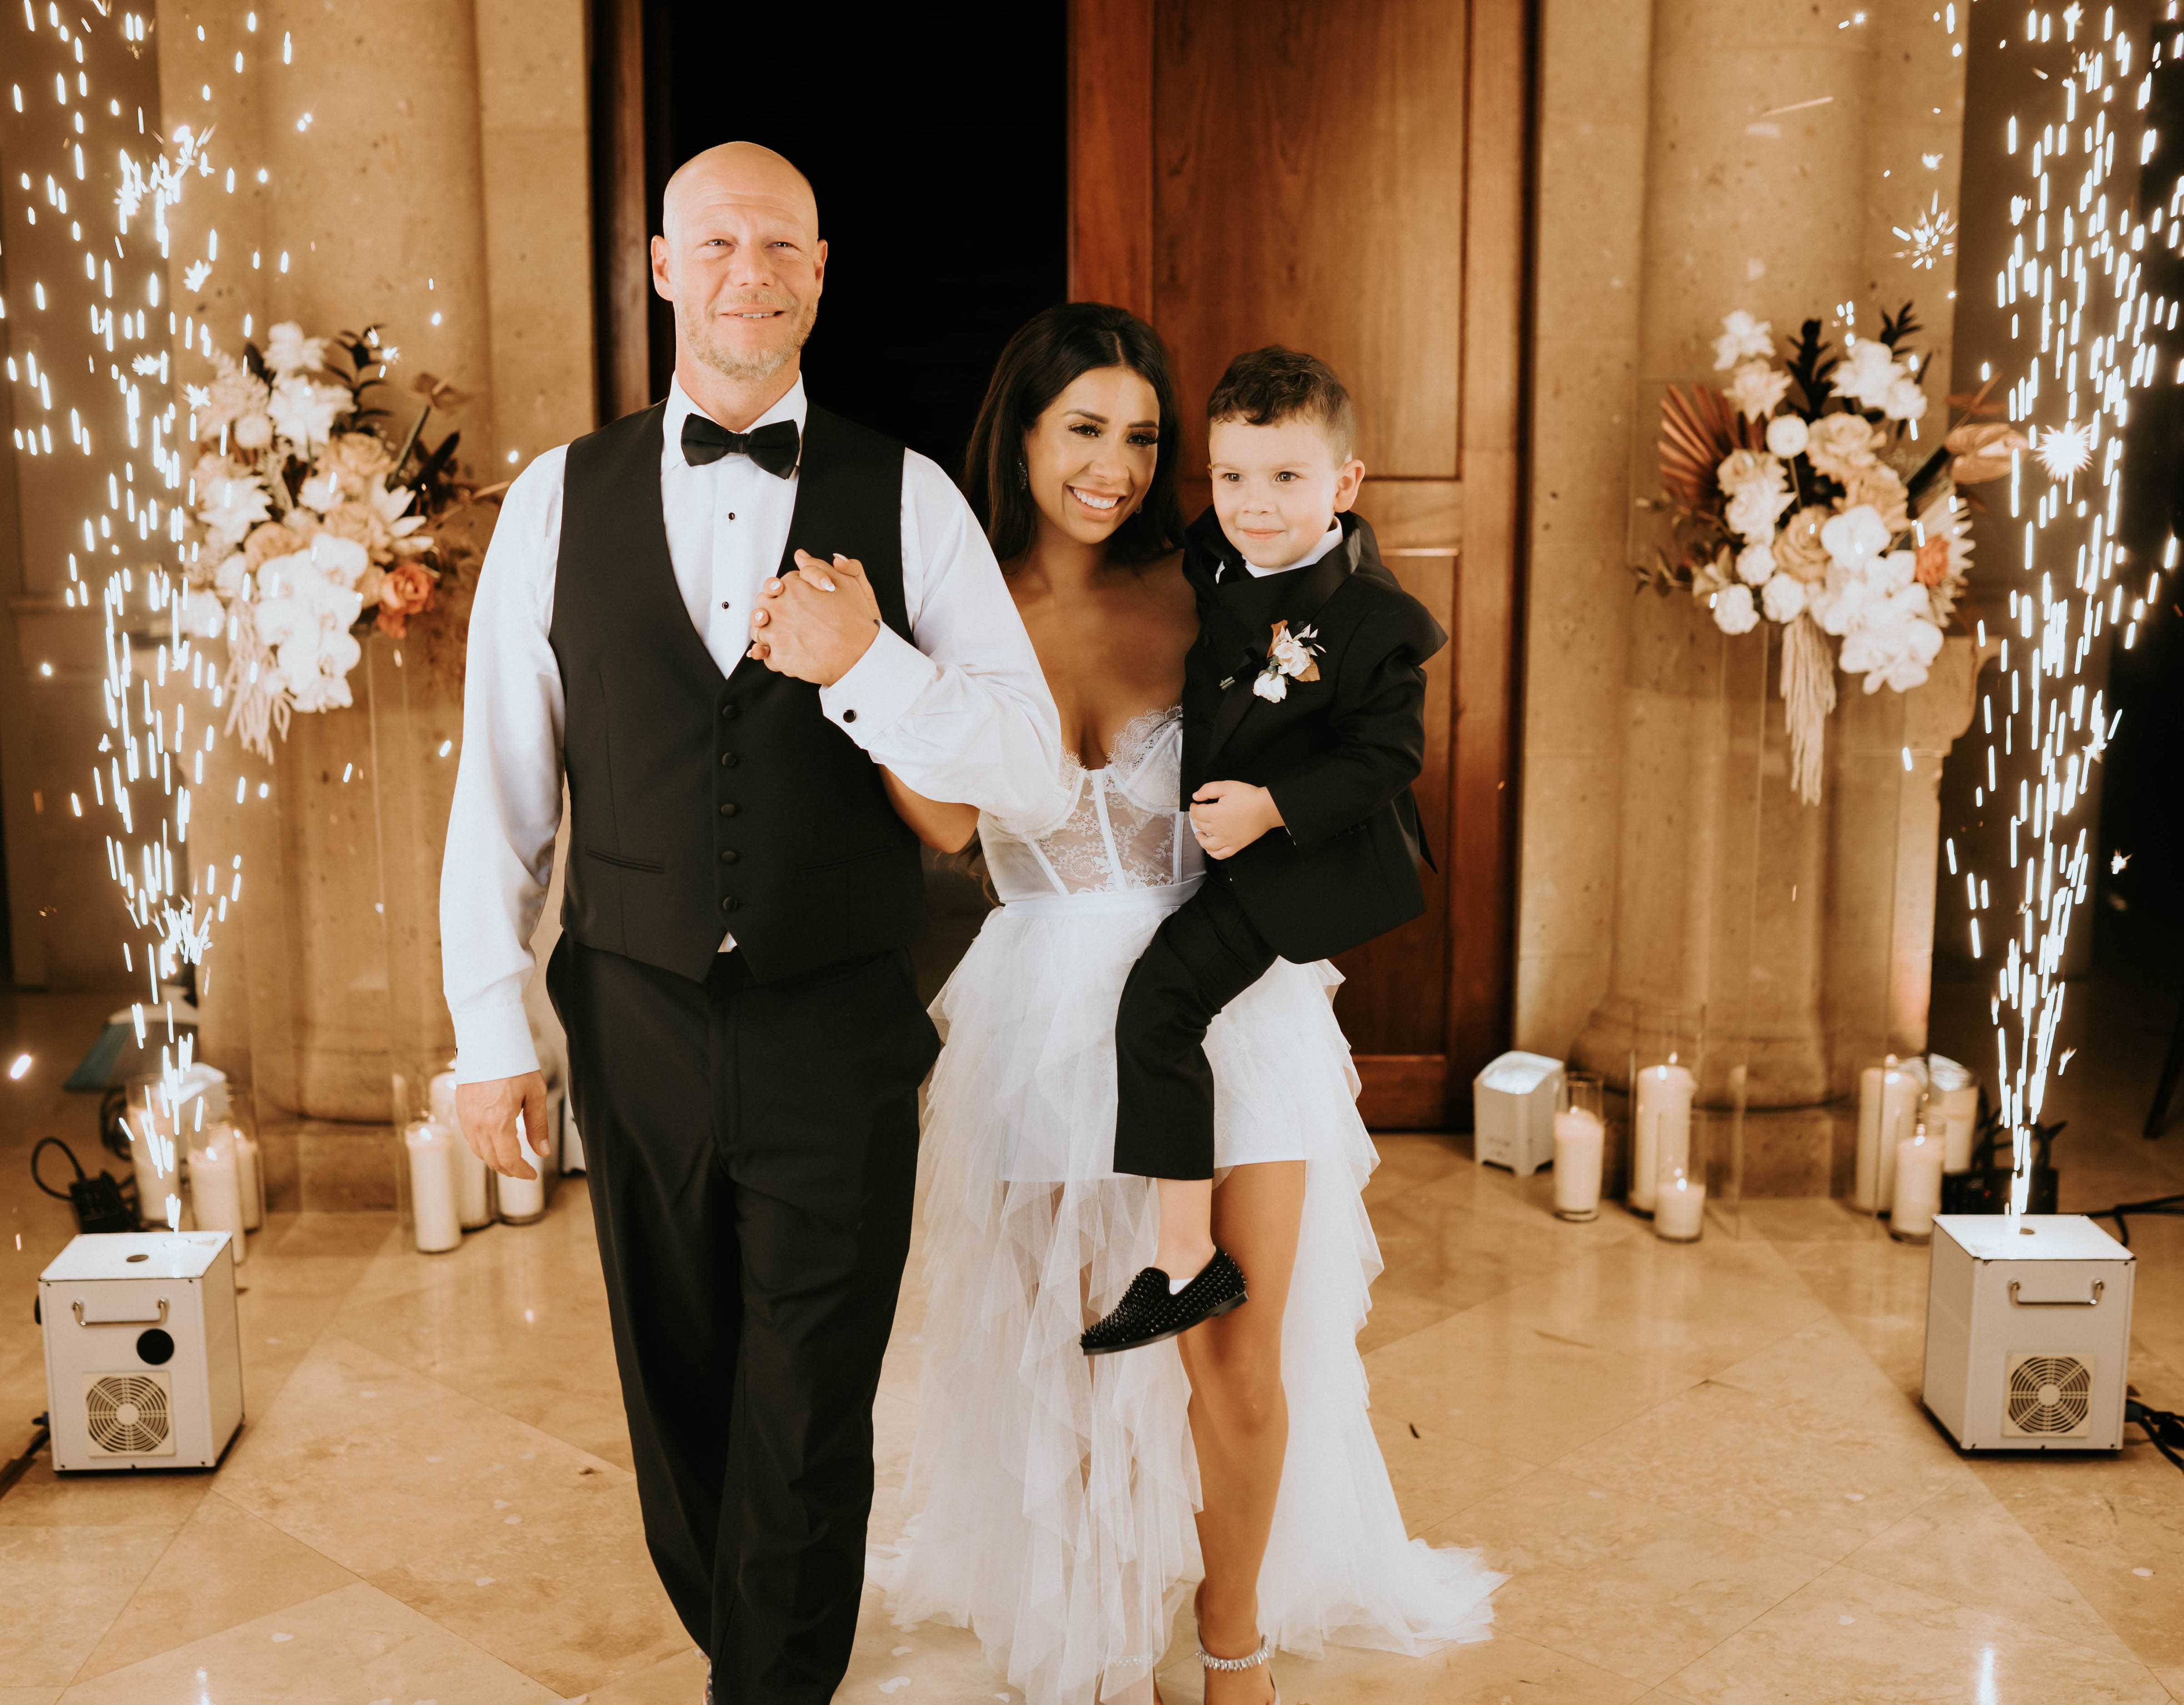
{"x":937,"y":144}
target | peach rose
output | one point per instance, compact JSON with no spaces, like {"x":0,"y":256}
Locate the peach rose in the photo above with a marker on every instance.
{"x":406,"y":591}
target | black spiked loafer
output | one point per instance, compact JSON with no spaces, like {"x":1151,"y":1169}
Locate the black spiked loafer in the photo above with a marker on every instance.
{"x":1149,"y":1313}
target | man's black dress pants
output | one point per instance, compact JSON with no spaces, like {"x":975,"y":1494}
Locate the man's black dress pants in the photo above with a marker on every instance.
{"x":1206,"y":953}
{"x":752,"y":1153}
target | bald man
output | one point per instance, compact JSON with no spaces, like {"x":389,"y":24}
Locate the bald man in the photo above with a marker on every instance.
{"x":716,"y":619}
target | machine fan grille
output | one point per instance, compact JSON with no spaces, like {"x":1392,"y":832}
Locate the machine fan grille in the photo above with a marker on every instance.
{"x":128,"y":1415}
{"x":2048,"y":1396}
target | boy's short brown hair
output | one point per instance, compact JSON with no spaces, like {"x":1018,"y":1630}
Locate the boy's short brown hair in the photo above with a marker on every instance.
{"x":1266,"y":387}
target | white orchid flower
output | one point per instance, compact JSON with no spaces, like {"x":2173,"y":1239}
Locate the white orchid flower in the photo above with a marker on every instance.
{"x":1756,"y":389}
{"x":1904,"y":400}
{"x":287,"y":350}
{"x":1855,"y":537}
{"x":1866,"y":374}
{"x":1742,"y":338}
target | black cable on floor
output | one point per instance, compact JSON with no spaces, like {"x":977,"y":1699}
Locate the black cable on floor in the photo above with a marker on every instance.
{"x":2165,"y":1430}
{"x":2159,"y":1205}
{"x":14,"y":1471}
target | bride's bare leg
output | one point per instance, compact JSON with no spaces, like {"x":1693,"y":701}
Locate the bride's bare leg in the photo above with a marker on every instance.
{"x":1240,"y":1419}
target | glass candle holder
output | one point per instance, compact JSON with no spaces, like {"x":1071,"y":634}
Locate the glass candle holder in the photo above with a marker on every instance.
{"x":1888,"y":1095}
{"x":1915,"y":1195}
{"x":1580,"y":1144}
{"x":1661,"y":1094}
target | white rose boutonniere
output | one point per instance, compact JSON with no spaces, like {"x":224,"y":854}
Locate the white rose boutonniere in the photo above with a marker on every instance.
{"x":1289,"y":658}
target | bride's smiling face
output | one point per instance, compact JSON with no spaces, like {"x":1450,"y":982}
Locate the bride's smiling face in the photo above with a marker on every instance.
{"x":1091,"y":456}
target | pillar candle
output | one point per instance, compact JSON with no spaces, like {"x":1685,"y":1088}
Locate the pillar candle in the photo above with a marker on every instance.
{"x":253,"y":1179}
{"x":1957,"y":1112}
{"x":1680,"y":1212}
{"x":433,"y":1188}
{"x":441,"y":1091}
{"x":1578,"y":1141}
{"x":216,"y":1189}
{"x":473,"y":1185}
{"x":523,"y":1200}
{"x":1660,"y":1129}
{"x":1917,"y":1197}
{"x":1887,"y":1108}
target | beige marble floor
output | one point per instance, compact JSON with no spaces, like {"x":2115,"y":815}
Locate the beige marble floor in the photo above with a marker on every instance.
{"x":1703,"y":1468}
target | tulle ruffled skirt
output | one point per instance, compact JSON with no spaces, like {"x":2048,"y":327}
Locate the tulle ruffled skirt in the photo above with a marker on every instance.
{"x":1053,"y":1494}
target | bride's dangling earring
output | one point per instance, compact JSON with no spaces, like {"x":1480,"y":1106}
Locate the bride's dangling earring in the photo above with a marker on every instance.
{"x":1023,"y":475}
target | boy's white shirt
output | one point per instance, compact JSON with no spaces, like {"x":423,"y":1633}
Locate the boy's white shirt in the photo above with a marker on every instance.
{"x":1328,"y":541}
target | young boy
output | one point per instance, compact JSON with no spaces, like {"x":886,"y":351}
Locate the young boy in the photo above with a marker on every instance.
{"x":1305,"y":689}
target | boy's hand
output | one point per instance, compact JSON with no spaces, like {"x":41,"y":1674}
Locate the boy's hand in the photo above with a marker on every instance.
{"x":1228,"y":816}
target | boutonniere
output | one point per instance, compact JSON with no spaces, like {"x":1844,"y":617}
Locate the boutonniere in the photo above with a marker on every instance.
{"x":1291,"y":658}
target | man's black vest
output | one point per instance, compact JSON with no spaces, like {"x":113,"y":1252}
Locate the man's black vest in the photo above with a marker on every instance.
{"x":700,"y":804}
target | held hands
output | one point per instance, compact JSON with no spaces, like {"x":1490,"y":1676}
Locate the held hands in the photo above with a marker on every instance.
{"x":487,"y":1112}
{"x":816,"y":624}
{"x":1228,"y":816}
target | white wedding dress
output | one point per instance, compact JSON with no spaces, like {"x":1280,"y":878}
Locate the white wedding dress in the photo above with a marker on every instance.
{"x":1053,"y":1494}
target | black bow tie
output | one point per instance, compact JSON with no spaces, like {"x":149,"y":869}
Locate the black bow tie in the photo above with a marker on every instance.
{"x":772,"y":446}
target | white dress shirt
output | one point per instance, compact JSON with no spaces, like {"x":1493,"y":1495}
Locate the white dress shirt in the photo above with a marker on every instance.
{"x":962,"y":714}
{"x":1328,"y":541}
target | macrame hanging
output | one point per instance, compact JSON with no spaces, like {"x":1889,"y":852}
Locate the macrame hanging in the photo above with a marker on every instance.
{"x":1808,"y":696}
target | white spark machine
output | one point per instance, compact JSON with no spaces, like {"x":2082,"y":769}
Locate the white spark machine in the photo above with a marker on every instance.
{"x":143,"y":1354}
{"x":2028,"y":1331}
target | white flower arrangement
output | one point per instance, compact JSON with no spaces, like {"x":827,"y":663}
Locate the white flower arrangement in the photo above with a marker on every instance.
{"x":311,"y":523}
{"x":1797,"y":498}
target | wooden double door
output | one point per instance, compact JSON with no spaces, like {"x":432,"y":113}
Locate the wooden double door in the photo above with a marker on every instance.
{"x":1347,"y":177}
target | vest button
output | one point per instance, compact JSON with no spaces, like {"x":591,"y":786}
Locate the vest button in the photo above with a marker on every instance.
{"x":730,"y":708}
{"x":729,"y":760}
{"x":729,"y":855}
{"x":729,"y":903}
{"x":728,"y":807}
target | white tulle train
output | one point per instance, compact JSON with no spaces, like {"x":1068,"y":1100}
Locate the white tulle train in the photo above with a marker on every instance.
{"x":1052,"y":1496}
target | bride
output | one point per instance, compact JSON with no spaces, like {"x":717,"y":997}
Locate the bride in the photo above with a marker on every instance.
{"x":1063,"y":1501}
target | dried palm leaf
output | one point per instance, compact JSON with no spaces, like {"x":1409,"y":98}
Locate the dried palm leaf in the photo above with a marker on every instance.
{"x":1697,"y":432}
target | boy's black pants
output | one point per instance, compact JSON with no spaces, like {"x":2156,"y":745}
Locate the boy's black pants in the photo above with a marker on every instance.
{"x":1205,"y":953}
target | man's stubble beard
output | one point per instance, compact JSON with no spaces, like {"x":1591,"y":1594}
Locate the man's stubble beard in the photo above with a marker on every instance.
{"x":697,"y":333}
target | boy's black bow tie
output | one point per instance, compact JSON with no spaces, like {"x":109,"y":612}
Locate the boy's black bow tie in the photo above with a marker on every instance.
{"x":772,"y":446}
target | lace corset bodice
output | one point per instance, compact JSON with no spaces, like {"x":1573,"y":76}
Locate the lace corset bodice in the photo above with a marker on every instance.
{"x":1108,"y":830}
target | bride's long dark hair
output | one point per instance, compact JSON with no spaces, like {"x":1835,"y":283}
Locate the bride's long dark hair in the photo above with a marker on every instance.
{"x":1051,"y":351}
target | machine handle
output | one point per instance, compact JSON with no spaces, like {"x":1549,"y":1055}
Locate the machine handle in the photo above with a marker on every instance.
{"x":159,"y":1319}
{"x":2099,"y":1285}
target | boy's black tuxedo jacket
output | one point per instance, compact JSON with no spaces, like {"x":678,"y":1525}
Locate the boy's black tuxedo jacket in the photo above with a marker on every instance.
{"x":1339,"y":754}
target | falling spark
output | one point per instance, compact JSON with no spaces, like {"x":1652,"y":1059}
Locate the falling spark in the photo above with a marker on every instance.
{"x":2065,"y":450}
{"x":2073,"y":287}
{"x":1932,"y":235}
{"x":19,"y":1068}
{"x":2116,"y":862}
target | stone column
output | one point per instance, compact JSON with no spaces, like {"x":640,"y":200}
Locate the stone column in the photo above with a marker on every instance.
{"x":416,"y":179}
{"x":1718,"y":882}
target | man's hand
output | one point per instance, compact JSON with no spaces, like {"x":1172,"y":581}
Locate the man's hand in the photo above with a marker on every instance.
{"x":816,"y":624}
{"x":1228,"y":816}
{"x":487,"y":1112}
